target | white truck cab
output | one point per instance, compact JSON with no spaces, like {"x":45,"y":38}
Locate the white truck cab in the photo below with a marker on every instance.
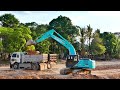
{"x":16,"y":57}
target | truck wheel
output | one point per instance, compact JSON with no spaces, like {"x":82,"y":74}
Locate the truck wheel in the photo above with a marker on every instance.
{"x":35,"y":66}
{"x":16,"y":66}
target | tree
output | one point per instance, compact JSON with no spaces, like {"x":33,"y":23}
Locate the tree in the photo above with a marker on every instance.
{"x":83,"y":35}
{"x":110,"y":41}
{"x":9,"y":20}
{"x":63,"y":25}
{"x":97,"y":46}
{"x":89,"y":34}
{"x":117,"y":48}
{"x":14,"y":39}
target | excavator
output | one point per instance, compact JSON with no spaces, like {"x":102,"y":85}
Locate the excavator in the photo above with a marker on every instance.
{"x":73,"y":64}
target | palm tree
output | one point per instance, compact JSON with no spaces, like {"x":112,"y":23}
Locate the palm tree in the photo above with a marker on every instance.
{"x":89,"y":35}
{"x":82,"y":40}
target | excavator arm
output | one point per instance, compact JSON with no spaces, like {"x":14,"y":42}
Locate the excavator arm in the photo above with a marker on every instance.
{"x":56,"y":36}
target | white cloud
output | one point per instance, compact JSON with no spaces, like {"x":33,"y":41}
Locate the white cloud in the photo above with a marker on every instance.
{"x":27,"y":12}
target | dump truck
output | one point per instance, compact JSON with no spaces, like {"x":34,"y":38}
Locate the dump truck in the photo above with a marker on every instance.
{"x":22,"y":60}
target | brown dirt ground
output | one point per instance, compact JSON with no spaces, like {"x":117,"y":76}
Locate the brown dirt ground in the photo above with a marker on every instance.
{"x":104,"y":70}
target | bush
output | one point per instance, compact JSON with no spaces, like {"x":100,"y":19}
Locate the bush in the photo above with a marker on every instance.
{"x":116,"y":56}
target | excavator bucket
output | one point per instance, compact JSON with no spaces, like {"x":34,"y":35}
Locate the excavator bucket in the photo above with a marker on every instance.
{"x":30,"y":42}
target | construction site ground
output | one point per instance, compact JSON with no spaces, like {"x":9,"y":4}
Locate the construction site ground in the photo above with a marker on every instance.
{"x":103,"y":70}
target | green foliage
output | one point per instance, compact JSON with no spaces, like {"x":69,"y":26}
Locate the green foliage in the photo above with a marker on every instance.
{"x":83,"y":34}
{"x":63,"y":25}
{"x":15,"y":34}
{"x":98,"y":49}
{"x":14,"y":39}
{"x":1,"y":46}
{"x":9,"y":20}
{"x":97,"y":46}
{"x":89,"y":35}
{"x":117,"y":56}
{"x":111,"y":43}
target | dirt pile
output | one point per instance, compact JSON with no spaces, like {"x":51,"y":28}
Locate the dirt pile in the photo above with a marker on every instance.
{"x":46,"y":74}
{"x":113,"y":76}
{"x":51,"y":77}
{"x":89,"y":76}
{"x":102,"y":67}
{"x":70,"y":77}
{"x":23,"y":74}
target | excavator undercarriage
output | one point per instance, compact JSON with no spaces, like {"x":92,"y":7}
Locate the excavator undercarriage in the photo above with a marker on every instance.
{"x":66,"y":71}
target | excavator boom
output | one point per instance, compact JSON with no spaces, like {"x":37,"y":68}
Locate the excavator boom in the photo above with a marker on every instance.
{"x":56,"y":36}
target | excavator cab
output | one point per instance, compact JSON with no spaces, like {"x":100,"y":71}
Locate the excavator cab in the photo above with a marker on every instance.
{"x":74,"y":62}
{"x":71,"y":60}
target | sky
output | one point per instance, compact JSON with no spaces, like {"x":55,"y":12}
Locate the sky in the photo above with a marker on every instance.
{"x":106,"y":21}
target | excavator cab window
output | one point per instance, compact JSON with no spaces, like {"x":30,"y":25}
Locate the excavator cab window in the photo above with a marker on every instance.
{"x":72,"y":58}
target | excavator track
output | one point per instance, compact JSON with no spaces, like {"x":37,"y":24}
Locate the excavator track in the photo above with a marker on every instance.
{"x":81,"y":71}
{"x":67,"y":71}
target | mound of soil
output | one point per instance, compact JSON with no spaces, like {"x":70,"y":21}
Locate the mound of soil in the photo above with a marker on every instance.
{"x":102,"y":67}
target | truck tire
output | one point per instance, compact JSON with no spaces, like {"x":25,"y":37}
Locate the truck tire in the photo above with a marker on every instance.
{"x":15,"y":66}
{"x":35,"y":66}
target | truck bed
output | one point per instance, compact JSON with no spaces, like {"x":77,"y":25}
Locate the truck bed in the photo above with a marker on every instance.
{"x":35,"y":58}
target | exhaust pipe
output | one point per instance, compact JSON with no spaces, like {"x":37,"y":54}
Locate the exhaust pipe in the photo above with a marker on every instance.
{"x":30,"y":42}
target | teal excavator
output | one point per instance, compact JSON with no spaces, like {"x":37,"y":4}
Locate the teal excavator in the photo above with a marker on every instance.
{"x":73,"y":63}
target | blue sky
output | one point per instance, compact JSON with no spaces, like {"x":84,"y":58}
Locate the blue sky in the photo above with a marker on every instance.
{"x":108,"y":21}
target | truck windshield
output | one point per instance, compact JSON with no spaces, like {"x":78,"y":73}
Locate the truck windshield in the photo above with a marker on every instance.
{"x":14,"y":55}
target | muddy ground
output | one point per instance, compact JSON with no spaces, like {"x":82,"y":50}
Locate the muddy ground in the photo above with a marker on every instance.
{"x":104,"y":70}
